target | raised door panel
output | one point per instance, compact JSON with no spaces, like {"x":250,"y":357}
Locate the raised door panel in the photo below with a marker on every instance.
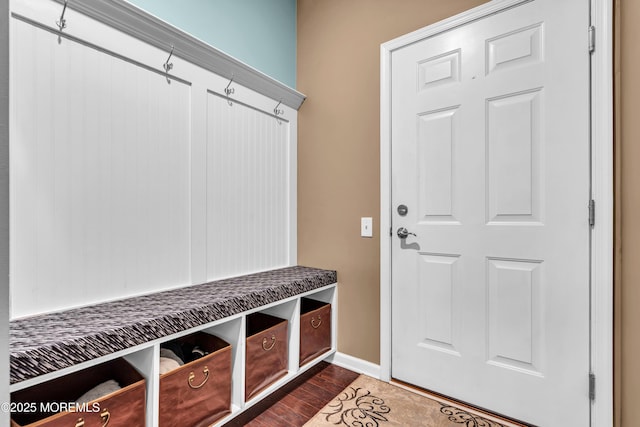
{"x":514,"y":332}
{"x":438,"y":277}
{"x":521,"y":47}
{"x":439,"y":70}
{"x":436,"y":167}
{"x":513,"y":157}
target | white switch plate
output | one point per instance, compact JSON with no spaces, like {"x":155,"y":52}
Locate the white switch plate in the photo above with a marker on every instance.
{"x":366,"y":227}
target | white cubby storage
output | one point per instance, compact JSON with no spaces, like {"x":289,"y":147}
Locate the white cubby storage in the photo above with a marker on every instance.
{"x":145,"y":357}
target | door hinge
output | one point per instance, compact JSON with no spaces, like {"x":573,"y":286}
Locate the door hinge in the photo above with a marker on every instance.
{"x":592,"y":386}
{"x":592,"y":39}
{"x":592,"y":213}
{"x":391,"y":231}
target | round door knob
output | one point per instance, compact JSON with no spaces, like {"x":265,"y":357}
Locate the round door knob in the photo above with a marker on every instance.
{"x":403,"y":233}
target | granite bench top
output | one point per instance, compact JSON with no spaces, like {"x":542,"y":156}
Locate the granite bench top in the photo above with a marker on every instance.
{"x":49,"y":342}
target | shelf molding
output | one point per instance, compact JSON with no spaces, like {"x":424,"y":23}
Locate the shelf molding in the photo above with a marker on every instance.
{"x":133,"y":21}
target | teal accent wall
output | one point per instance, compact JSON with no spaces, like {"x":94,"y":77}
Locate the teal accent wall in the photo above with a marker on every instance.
{"x":260,"y":33}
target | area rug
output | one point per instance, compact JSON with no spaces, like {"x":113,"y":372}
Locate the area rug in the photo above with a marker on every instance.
{"x":372,"y":403}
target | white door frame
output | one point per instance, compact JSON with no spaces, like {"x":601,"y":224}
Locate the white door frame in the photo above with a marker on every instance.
{"x":601,"y":182}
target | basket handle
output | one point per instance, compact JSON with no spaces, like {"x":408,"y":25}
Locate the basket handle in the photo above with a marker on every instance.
{"x":265,"y":341}
{"x":314,"y":325}
{"x":192,"y":376}
{"x":106,"y":417}
{"x":80,"y":422}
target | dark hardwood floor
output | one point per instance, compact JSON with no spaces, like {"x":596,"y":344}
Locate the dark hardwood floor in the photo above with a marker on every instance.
{"x":297,"y":402}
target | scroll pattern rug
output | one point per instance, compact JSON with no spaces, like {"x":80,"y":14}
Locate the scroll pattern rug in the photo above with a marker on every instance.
{"x":368,"y":402}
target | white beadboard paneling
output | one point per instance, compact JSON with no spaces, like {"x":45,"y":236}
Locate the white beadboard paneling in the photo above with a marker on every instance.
{"x":248,"y":189}
{"x":100,"y":176}
{"x":114,"y":185}
{"x":198,"y":183}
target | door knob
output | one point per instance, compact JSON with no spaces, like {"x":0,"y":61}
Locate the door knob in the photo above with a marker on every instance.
{"x":403,"y":233}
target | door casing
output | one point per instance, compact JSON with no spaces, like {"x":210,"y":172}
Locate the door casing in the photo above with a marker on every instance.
{"x":601,"y":183}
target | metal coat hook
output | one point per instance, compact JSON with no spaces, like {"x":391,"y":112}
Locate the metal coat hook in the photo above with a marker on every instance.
{"x":168,"y":65}
{"x":229,"y":90}
{"x":278,"y":112}
{"x":62,"y":23}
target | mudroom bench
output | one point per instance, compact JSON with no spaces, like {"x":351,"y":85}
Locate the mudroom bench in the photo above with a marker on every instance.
{"x":48,"y":349}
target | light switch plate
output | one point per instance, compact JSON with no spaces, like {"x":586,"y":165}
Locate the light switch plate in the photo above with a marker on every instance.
{"x":366,"y":227}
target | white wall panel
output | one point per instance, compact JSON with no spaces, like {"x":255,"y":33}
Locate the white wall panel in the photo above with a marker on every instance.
{"x":124,"y":184}
{"x":248,"y":189}
{"x":100,"y":156}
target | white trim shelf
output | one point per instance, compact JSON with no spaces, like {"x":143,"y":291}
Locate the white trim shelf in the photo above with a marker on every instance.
{"x":135,"y":22}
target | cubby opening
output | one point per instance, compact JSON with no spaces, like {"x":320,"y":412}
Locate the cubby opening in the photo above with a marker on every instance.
{"x":199,"y":391}
{"x":267,"y":352}
{"x":50,"y":400}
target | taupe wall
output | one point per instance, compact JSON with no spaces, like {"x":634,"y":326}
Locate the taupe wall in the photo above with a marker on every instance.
{"x":628,"y":211}
{"x":339,"y":145}
{"x":338,"y":68}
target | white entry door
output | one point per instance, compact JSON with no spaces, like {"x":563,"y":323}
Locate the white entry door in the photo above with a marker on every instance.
{"x":490,"y":157}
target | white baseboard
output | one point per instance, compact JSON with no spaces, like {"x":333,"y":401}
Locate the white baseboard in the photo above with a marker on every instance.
{"x":355,"y":364}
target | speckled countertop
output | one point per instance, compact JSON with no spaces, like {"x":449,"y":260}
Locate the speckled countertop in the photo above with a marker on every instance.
{"x":49,"y":342}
